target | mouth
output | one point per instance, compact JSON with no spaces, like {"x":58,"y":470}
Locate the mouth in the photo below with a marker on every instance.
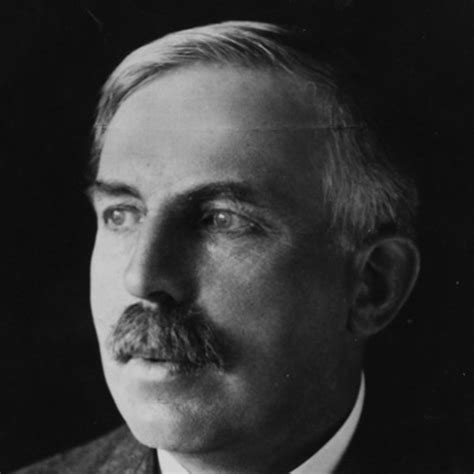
{"x":155,"y":357}
{"x":152,"y":359}
{"x":174,"y":366}
{"x":161,"y":370}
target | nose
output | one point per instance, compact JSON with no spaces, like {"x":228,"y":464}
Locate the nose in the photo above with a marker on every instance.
{"x":157,"y":268}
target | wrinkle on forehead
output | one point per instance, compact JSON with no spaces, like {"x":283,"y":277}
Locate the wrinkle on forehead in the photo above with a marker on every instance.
{"x":278,"y":101}
{"x":262,"y":128}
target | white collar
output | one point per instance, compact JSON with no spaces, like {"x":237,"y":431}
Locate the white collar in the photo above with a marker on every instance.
{"x":168,"y":464}
{"x":324,"y":461}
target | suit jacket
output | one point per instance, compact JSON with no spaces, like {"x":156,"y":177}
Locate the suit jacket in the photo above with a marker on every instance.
{"x":384,"y":443}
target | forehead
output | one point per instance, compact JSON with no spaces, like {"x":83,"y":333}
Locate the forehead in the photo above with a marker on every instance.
{"x":259,"y":97}
{"x":210,"y":123}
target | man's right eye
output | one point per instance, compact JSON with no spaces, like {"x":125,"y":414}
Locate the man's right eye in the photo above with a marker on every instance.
{"x":121,"y":219}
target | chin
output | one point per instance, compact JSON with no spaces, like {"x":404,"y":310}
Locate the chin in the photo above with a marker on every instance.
{"x":154,"y":423}
{"x":171,"y":417}
{"x":168,"y":431}
{"x":176,"y":430}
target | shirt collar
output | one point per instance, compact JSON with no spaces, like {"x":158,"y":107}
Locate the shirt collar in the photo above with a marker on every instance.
{"x":324,"y":461}
{"x":168,"y":464}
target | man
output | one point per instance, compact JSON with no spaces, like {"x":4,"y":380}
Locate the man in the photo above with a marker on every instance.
{"x":252,"y":235}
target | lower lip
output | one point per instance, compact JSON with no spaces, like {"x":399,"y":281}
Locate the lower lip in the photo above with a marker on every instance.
{"x":157,"y":371}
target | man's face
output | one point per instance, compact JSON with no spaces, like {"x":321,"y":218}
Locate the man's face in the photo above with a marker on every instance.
{"x":208,"y":198}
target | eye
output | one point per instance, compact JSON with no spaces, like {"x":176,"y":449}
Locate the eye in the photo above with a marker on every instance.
{"x":227,"y":222}
{"x":121,"y":218}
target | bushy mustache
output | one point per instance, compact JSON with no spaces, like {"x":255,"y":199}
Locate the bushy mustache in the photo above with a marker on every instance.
{"x":179,"y":335}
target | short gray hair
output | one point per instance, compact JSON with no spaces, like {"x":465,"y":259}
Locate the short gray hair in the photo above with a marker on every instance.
{"x":365,"y":192}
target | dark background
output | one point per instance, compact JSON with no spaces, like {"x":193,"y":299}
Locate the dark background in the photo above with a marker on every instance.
{"x":54,"y":57}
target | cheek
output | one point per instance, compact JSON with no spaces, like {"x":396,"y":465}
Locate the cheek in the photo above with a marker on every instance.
{"x":107,"y":298}
{"x":271,"y":300}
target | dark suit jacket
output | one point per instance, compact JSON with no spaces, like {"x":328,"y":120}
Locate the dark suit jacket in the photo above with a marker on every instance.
{"x":383,"y":444}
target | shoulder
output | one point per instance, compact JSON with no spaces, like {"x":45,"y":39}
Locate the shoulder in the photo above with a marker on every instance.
{"x":110,"y":453}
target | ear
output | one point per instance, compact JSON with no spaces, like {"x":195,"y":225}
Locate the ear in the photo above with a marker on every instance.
{"x":385,"y":273}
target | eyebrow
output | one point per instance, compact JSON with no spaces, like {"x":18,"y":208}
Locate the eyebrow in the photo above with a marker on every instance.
{"x":111,"y":189}
{"x":232,"y":190}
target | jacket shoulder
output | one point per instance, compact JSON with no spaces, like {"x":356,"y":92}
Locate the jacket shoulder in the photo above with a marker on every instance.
{"x":108,"y":453}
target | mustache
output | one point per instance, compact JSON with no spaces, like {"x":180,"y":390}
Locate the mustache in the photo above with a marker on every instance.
{"x":180,"y":335}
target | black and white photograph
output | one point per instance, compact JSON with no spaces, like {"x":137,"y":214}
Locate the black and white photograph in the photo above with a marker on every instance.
{"x":239,"y":237}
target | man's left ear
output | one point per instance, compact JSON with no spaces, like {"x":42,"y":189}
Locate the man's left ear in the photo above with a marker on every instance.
{"x":385,"y":273}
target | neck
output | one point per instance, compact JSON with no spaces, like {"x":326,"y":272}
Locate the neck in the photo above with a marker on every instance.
{"x":304,"y":436}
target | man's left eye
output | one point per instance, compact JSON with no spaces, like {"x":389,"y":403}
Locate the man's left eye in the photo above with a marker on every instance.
{"x":227,"y":221}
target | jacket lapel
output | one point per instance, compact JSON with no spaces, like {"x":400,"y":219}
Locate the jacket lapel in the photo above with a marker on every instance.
{"x":130,"y":457}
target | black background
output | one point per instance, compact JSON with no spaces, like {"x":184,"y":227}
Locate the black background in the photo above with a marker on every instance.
{"x":54,"y":57}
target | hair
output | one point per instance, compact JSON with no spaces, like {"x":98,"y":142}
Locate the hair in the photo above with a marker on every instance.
{"x":366,"y":193}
